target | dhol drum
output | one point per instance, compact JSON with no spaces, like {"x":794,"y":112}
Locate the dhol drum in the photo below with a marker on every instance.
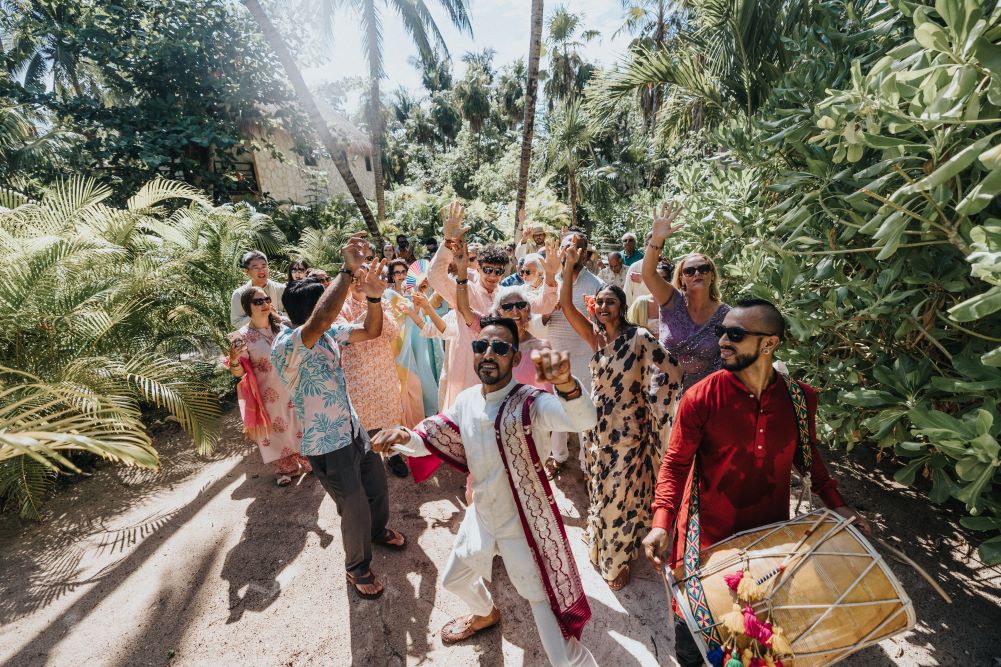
{"x":807,"y":592}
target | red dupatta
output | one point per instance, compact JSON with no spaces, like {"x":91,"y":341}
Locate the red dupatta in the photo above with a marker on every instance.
{"x":256,"y":423}
{"x":540,"y":518}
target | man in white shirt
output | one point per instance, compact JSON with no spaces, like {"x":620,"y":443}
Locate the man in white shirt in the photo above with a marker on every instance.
{"x":255,"y":265}
{"x":492,"y":433}
{"x":563,"y":337}
{"x":615,"y":272}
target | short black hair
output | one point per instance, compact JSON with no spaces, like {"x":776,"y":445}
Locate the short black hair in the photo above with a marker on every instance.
{"x":250,"y":256}
{"x":773,"y":320}
{"x":505,"y":322}
{"x":493,"y":254}
{"x":430,"y":240}
{"x":300,"y":298}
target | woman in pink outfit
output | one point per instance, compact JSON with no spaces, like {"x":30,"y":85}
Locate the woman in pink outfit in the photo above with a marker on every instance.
{"x":281,"y":445}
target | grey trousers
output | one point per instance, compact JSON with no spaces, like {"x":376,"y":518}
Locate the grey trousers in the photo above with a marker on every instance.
{"x":356,"y":480}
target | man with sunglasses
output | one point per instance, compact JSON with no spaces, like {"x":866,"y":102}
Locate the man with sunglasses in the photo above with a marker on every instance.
{"x":740,"y":429}
{"x":307,"y":358}
{"x":255,"y":265}
{"x":490,"y":269}
{"x":494,"y":433}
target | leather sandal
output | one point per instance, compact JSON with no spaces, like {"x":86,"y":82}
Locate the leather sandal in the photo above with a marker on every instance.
{"x":621,"y":581}
{"x":366,"y":579}
{"x":388,"y":536}
{"x":552,"y":468}
{"x":461,"y":629}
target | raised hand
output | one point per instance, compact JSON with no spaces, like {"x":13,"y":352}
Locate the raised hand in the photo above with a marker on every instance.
{"x":663,"y":221}
{"x":384,"y":440}
{"x":552,"y":366}
{"x":421,"y":303}
{"x":355,"y":251}
{"x":571,"y":256}
{"x":371,"y":282}
{"x":551,"y":262}
{"x":453,"y":216}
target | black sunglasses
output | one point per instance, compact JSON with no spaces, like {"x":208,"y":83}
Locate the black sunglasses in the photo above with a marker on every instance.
{"x":489,"y":270}
{"x":498,"y":346}
{"x":261,"y":301}
{"x":508,"y":307}
{"x":736,"y":334}
{"x":370,"y":258}
{"x":701,"y":268}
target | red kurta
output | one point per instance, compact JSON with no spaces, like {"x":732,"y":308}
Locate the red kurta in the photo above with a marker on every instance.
{"x":746,"y":450}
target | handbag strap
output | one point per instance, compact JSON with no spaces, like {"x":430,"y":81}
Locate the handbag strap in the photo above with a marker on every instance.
{"x":693,"y":531}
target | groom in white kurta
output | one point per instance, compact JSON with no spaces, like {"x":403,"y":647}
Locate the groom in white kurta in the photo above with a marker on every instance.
{"x":513,"y":512}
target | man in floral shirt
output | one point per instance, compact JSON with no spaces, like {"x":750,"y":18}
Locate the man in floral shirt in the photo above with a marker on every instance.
{"x":308,"y":361}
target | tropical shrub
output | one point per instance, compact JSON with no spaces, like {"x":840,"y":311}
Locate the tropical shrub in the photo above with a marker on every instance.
{"x":861,"y":195}
{"x":107,"y":312}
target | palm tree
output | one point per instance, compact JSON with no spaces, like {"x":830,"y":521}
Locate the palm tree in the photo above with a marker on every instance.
{"x":528,"y":126}
{"x":420,"y":24}
{"x":650,"y":22}
{"x":35,"y":55}
{"x":568,"y":72}
{"x":569,"y":148}
{"x":732,"y":54}
{"x":308,"y":103}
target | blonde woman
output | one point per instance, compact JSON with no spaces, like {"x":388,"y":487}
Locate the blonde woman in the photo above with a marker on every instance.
{"x":691,"y":307}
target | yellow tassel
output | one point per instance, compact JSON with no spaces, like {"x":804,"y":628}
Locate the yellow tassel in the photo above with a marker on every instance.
{"x":734,"y":620}
{"x":769,"y":660}
{"x":780,"y":645}
{"x":748,"y":590}
{"x":746,"y":656}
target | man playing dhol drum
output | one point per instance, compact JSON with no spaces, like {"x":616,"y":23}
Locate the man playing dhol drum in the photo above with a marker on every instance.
{"x":742,"y":424}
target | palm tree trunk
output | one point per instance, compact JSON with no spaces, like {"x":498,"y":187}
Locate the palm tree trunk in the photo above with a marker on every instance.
{"x":528,"y":127}
{"x":308,"y":104}
{"x":572,"y":195}
{"x":375,"y":107}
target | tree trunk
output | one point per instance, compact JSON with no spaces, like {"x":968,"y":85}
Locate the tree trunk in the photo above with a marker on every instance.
{"x":308,"y":103}
{"x":375,"y":108}
{"x":528,"y":127}
{"x":572,"y":195}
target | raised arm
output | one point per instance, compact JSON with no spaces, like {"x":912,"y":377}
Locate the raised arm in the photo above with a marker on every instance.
{"x":662,"y":229}
{"x":371,"y":284}
{"x":330,"y":304}
{"x":422,"y":306}
{"x":438,"y":277}
{"x":462,"y":306}
{"x":576,"y":318}
{"x":549,"y":297}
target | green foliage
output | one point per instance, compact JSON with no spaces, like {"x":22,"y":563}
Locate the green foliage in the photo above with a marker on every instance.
{"x":859,"y":192}
{"x":108,"y":312}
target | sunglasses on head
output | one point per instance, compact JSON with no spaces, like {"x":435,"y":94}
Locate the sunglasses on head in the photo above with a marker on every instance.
{"x":508,"y":307}
{"x":701,"y":268}
{"x":499,"y":347}
{"x":260,"y":301}
{"x":736,"y":334}
{"x":489,"y":270}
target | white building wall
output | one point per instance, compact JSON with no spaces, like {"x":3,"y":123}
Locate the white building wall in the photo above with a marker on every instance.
{"x":290,"y":179}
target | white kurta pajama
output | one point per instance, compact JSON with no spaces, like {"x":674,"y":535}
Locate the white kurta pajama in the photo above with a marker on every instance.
{"x":492,"y":524}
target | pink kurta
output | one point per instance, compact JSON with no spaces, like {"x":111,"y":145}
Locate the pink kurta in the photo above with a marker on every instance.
{"x":285,"y":435}
{"x":459,"y":373}
{"x":370,"y":369}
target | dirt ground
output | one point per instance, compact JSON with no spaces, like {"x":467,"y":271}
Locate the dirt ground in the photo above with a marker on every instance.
{"x":207,"y":562}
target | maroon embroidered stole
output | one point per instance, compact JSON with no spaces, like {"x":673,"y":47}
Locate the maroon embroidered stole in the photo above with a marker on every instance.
{"x":540,"y":518}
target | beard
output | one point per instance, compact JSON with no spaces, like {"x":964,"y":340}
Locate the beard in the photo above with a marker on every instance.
{"x":739,"y":362}
{"x":490,"y":373}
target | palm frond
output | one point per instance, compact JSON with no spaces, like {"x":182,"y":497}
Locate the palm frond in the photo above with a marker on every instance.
{"x":160,"y":190}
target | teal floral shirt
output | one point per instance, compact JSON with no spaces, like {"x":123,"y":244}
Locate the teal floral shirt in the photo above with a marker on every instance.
{"x":316,"y":384}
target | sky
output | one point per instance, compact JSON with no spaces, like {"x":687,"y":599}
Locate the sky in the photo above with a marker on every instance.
{"x":502,"y":25}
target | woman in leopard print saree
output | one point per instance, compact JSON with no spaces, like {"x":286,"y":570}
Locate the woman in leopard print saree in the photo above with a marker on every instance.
{"x":636,"y":386}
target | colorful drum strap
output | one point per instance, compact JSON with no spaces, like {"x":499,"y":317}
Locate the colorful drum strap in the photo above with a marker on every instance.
{"x":693,"y":532}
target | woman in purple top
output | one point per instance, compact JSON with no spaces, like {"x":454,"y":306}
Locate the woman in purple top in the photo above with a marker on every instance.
{"x":691,"y":307}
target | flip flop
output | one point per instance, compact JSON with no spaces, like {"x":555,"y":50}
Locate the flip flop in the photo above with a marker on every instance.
{"x":391,"y":534}
{"x":460,"y":629}
{"x":364,"y":580}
